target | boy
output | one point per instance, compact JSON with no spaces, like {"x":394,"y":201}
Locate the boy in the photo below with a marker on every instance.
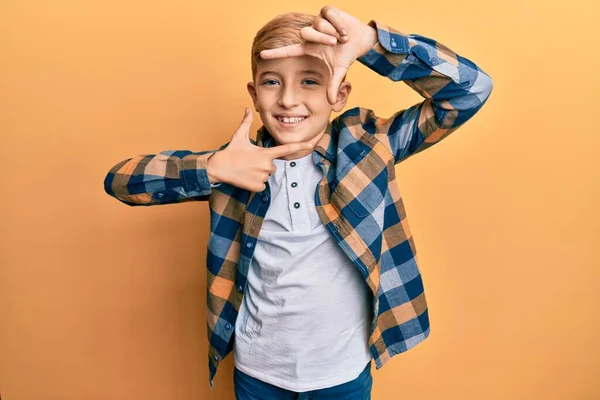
{"x":312,"y":270}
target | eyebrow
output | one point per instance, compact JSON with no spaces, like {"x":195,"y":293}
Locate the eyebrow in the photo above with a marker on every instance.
{"x":303,"y":72}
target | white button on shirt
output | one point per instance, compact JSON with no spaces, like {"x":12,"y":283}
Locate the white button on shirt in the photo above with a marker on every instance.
{"x":304,"y":319}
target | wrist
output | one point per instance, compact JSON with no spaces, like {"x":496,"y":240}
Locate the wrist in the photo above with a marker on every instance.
{"x":370,"y":39}
{"x":210,"y":169}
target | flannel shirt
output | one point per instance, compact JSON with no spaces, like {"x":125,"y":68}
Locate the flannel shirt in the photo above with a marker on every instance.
{"x":358,"y":199}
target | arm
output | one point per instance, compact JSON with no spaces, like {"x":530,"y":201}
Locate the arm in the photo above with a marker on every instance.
{"x":454,"y":89}
{"x":163,"y":178}
{"x":181,"y":175}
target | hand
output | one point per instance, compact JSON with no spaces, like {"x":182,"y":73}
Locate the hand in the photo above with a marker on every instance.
{"x":336,"y":38}
{"x":245,"y":165}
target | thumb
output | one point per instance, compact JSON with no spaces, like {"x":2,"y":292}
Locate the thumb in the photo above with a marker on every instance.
{"x":334,"y":84}
{"x":242,"y":134}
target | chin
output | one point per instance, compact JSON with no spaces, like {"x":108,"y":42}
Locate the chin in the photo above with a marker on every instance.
{"x":287,"y":137}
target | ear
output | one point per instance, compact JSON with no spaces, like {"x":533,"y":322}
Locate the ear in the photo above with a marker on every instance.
{"x":252,"y":90}
{"x":342,"y":97}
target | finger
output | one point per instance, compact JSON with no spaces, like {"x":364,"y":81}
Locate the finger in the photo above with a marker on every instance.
{"x":269,"y":166}
{"x":286,"y":149}
{"x":322,"y":25}
{"x":332,"y":15}
{"x":310,"y":34}
{"x":283,"y":52}
{"x":243,"y":131}
{"x":334,"y":84}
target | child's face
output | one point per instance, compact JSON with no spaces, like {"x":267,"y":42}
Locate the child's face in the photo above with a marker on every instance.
{"x":295,"y":87}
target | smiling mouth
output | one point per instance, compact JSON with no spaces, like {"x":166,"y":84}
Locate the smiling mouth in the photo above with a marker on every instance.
{"x":290,"y":121}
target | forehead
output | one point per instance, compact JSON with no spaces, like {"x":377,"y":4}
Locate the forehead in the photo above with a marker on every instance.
{"x":292,"y":66}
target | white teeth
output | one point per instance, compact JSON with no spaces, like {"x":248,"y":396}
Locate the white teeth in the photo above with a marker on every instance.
{"x":292,"y":120}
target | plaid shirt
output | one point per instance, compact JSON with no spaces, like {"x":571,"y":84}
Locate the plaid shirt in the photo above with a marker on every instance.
{"x":358,"y":199}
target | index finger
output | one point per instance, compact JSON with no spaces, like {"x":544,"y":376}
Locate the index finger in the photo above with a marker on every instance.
{"x":285,"y":149}
{"x":283,"y":52}
{"x":332,"y":15}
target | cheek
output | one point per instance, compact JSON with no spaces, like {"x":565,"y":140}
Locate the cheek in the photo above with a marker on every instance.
{"x":265,"y":102}
{"x":318,"y":102}
{"x":321,"y":109}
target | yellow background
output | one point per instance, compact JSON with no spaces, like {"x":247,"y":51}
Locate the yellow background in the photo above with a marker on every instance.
{"x":102,"y":301}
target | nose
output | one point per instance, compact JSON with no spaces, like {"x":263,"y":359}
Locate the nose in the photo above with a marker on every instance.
{"x":288,"y":97}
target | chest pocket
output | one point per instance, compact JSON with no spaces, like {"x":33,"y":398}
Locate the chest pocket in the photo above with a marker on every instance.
{"x":362,"y":184}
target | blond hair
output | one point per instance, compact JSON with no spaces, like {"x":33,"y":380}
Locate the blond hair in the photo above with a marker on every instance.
{"x":283,"y":30}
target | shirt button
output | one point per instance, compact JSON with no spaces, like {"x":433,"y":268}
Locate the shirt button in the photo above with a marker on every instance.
{"x":296,"y":205}
{"x":240,"y":288}
{"x":228,"y":326}
{"x":293,"y":164}
{"x":215,"y":357}
{"x":160,"y":195}
{"x":393,"y":43}
{"x":434,"y":61}
{"x":249,"y":244}
{"x":294,"y":184}
{"x":265,"y":199}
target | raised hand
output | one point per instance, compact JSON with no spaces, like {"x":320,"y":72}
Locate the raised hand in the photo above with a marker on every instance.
{"x":336,"y":38}
{"x":245,"y":165}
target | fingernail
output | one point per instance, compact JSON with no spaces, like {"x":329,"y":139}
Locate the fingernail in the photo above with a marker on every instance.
{"x":333,"y":41}
{"x":344,"y":32}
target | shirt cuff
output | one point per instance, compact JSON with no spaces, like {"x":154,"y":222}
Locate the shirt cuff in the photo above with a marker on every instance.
{"x":389,"y":38}
{"x":194,"y":177}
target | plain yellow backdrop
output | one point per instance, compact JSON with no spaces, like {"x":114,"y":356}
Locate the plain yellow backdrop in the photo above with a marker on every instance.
{"x":103,"y":301}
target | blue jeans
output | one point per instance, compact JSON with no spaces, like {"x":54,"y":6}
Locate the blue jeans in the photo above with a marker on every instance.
{"x":249,"y":388}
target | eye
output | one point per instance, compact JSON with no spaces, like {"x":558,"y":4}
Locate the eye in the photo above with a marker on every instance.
{"x":311,"y":81}
{"x":270,"y":82}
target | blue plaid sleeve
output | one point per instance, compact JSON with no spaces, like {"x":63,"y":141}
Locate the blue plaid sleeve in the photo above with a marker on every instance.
{"x":172,"y":176}
{"x":454,"y":89}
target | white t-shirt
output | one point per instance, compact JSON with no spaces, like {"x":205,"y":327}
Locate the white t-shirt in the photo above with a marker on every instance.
{"x":304,"y":319}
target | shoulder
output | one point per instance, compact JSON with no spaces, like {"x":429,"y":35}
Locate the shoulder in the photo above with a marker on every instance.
{"x":356,"y":115}
{"x":357,"y":118}
{"x":363,"y":125}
